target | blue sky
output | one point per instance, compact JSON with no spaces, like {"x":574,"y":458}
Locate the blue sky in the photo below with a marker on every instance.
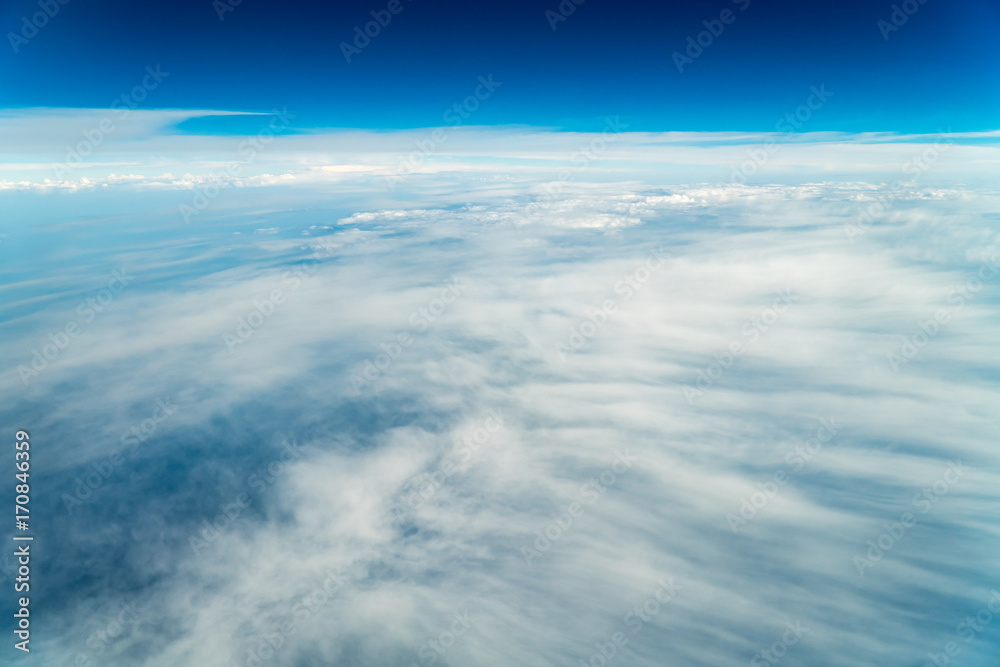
{"x":938,"y":70}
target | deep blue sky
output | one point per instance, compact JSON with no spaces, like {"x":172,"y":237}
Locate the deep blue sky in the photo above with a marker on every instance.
{"x":609,"y":58}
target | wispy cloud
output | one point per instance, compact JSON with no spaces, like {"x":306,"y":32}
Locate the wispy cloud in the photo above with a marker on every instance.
{"x":403,"y":577}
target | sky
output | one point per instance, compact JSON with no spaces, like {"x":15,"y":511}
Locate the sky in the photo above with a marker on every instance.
{"x":936,"y":71}
{"x":492,"y":344}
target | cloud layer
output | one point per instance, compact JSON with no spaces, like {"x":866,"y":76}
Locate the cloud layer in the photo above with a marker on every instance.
{"x":527,"y":420}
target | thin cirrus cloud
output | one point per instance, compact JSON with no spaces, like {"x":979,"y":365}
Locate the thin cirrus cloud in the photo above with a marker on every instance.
{"x":144,"y":149}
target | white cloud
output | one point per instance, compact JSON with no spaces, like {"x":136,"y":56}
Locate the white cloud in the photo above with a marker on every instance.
{"x":529,"y":281}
